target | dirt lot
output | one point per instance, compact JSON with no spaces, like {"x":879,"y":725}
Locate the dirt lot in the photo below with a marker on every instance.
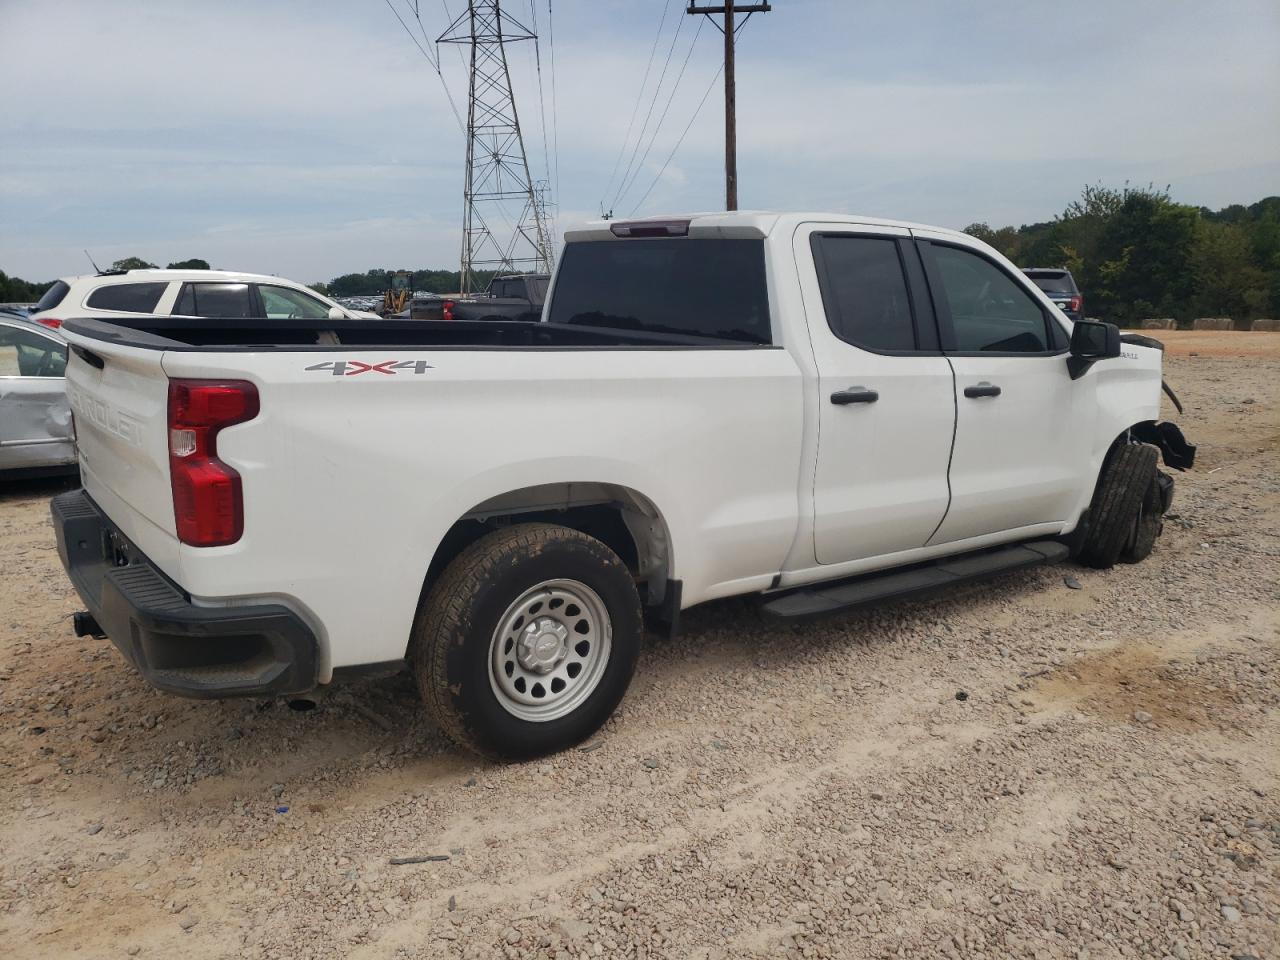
{"x":1020,"y":770}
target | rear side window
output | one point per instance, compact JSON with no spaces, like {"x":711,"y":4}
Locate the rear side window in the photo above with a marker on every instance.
{"x":217,"y":300}
{"x":692,"y":286}
{"x":53,"y":296}
{"x":130,"y":297}
{"x":864,"y":291}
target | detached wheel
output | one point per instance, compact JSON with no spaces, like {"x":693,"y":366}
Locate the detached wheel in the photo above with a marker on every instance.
{"x":527,"y":643}
{"x":1117,"y":504}
{"x":1147,"y":526}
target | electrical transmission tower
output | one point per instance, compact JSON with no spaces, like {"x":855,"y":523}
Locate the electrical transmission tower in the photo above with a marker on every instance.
{"x":498,"y":183}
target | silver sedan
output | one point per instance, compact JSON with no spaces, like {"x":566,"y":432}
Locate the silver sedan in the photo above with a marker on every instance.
{"x":36,"y":434}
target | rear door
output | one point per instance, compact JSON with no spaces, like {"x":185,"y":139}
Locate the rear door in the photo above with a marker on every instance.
{"x":1023,"y":426}
{"x":885,"y":393}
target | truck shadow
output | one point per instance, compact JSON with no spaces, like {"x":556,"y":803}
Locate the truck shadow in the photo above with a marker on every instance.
{"x":36,"y":487}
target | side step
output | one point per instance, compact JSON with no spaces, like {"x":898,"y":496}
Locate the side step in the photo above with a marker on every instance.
{"x":874,"y":587}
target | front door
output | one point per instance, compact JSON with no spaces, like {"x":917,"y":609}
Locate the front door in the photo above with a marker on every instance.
{"x":35,"y":419}
{"x":886,"y":408}
{"x":1022,"y":427}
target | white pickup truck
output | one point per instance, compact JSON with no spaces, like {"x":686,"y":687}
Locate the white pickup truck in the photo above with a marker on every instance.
{"x":822,"y":410}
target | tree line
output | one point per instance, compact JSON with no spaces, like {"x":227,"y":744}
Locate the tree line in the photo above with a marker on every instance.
{"x":1136,"y":253}
{"x":374,"y":282}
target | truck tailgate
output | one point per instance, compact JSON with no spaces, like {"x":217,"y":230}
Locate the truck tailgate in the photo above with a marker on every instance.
{"x":119,"y":396}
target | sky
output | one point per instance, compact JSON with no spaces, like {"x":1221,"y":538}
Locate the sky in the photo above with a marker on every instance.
{"x":310,"y":139}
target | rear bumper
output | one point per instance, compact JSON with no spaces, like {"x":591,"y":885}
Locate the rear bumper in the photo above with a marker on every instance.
{"x":261,"y":649}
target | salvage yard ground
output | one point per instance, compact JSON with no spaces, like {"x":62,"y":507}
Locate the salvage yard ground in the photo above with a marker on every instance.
{"x":1021,"y":769}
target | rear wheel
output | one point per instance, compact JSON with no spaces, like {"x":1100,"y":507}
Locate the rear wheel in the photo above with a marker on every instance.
{"x":528,"y":641}
{"x":1117,"y":504}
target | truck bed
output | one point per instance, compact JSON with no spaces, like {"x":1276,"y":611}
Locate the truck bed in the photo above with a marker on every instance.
{"x":236,"y":335}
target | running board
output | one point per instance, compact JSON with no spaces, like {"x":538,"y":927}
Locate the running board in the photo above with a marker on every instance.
{"x":872,"y":588}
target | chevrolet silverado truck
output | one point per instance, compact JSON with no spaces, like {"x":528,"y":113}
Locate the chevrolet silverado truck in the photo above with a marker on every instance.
{"x":819,"y":410}
{"x":514,"y":297}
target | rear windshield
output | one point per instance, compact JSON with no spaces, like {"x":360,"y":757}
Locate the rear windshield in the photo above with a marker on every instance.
{"x":692,"y":286}
{"x":1052,"y":281}
{"x":52,"y":297}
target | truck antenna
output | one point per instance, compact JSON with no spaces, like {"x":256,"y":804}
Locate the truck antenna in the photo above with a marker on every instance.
{"x":96,"y":269}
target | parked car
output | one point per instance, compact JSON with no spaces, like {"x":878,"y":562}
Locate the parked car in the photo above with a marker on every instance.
{"x":514,"y":297}
{"x":495,"y":505}
{"x":190,"y":293}
{"x":1060,"y":287}
{"x":36,"y":436}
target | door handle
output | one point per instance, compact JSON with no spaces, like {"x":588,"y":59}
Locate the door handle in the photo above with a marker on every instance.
{"x":855,"y":395}
{"x":982,"y":389}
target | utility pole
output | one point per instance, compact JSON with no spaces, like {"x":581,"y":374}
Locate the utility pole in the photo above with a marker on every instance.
{"x":729,"y":29}
{"x":497,"y":183}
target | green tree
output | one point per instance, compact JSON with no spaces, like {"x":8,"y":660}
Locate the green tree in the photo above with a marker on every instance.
{"x":132,"y":263}
{"x":1227,"y":281}
{"x":17,"y":290}
{"x":193,"y":264}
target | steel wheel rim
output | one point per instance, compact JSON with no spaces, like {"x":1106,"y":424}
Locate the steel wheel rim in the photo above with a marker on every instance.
{"x":549,"y":650}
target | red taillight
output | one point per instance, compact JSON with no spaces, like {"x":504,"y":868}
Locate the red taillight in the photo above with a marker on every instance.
{"x":208,"y":506}
{"x":1075,"y":304}
{"x":446,"y":310}
{"x":49,"y":322}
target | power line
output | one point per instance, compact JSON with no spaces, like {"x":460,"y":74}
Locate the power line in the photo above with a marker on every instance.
{"x":421,"y":48}
{"x":661,"y":119}
{"x":417,"y":15}
{"x":644,"y":82}
{"x":644,"y":127}
{"x":688,"y":127}
{"x":435,"y":65}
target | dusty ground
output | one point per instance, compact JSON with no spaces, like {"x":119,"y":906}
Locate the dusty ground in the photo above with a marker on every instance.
{"x":1020,"y":770}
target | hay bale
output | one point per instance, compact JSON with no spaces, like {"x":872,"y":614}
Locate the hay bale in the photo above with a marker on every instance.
{"x":1269,"y":326}
{"x":1157,"y":323}
{"x":1211,"y":323}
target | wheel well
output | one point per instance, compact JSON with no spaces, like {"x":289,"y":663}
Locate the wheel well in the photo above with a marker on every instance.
{"x":623,"y":520}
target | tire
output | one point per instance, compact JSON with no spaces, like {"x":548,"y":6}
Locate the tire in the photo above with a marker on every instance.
{"x":1147,"y":526}
{"x":1125,"y":480}
{"x":496,"y":641}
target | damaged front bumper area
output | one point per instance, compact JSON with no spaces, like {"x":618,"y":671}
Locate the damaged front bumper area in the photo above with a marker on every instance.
{"x":1174,"y":449}
{"x":260,"y":649}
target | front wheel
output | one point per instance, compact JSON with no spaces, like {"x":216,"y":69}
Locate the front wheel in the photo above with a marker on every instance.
{"x":1117,"y":504}
{"x":527,"y":642}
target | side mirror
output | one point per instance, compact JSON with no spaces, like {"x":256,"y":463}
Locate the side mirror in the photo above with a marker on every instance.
{"x":1090,"y":342}
{"x":337,"y":313}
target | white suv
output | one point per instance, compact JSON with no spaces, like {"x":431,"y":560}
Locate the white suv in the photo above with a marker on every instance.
{"x":186,"y":293}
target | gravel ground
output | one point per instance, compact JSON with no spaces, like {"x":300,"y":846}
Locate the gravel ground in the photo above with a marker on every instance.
{"x":1028,"y":768}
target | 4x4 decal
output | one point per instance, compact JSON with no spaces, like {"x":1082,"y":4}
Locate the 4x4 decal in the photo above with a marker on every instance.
{"x":350,"y":368}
